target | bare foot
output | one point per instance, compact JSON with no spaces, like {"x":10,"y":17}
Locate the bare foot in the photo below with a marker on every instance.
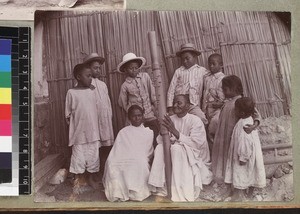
{"x":238,"y":195}
{"x":91,"y":181}
{"x":225,"y":191}
{"x":161,"y":199}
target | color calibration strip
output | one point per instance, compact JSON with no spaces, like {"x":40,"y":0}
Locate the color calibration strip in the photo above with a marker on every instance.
{"x":5,"y":116}
{"x":20,"y":91}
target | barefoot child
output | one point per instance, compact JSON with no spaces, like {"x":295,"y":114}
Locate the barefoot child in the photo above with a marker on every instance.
{"x":189,"y":75}
{"x":104,"y":111}
{"x":127,"y":168}
{"x":233,"y":90}
{"x":81,"y":115}
{"x":213,"y":97}
{"x":245,"y":166}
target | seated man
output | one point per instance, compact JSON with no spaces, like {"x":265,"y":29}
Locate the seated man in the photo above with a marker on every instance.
{"x":189,"y":155}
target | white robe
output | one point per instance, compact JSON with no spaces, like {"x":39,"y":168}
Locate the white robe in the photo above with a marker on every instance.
{"x":190,"y":161}
{"x":245,"y":147}
{"x":127,"y":167}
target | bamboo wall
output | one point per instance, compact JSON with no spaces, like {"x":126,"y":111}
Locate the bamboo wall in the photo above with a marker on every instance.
{"x":255,"y":46}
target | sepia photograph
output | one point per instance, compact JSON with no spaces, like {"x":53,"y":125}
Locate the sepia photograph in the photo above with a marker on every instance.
{"x":24,"y":9}
{"x":175,"y":106}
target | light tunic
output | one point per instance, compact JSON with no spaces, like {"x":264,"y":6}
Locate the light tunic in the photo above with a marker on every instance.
{"x":138,"y":91}
{"x":227,"y":121}
{"x":192,"y":79}
{"x":82,"y":111}
{"x":245,"y":147}
{"x":127,"y":167}
{"x":104,"y":112}
{"x":190,"y":160}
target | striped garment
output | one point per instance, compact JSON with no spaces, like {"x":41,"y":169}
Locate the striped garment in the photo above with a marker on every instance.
{"x":138,"y":91}
{"x":190,"y":79}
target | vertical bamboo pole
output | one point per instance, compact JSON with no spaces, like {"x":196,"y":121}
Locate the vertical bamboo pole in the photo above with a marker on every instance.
{"x":161,"y":101}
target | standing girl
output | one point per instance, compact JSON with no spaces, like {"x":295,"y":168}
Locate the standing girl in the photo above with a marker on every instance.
{"x":245,"y":166}
{"x":233,"y":90}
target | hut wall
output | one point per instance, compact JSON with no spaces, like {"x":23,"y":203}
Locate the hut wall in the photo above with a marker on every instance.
{"x":246,"y":40}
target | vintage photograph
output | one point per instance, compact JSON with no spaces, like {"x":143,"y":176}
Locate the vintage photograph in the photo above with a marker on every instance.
{"x":162,"y":106}
{"x":24,"y":9}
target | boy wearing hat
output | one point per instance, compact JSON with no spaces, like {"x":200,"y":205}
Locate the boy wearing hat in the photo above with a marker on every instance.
{"x":104,"y":110}
{"x":138,"y":89}
{"x":190,"y":75}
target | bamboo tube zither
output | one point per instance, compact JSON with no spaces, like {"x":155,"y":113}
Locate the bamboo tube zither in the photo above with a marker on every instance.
{"x":162,"y":108}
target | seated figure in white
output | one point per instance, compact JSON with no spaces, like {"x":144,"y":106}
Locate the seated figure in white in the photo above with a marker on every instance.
{"x":189,"y":155}
{"x":127,"y":167}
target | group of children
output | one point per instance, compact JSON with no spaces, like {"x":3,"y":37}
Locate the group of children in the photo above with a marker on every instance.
{"x":230,"y":120}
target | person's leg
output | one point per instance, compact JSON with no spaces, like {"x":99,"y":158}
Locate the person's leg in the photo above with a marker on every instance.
{"x":93,"y":180}
{"x":183,"y":185}
{"x":93,"y":164}
{"x":103,"y":152}
{"x":157,"y":178}
{"x":154,"y":126}
{"x":238,"y":195}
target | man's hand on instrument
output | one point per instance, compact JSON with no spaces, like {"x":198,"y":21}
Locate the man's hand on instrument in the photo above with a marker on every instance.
{"x":168,"y":123}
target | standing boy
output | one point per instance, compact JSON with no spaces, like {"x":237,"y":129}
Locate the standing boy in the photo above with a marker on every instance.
{"x":104,"y":111}
{"x":138,"y":89}
{"x":213,"y":96}
{"x":190,"y":75}
{"x":81,"y":116}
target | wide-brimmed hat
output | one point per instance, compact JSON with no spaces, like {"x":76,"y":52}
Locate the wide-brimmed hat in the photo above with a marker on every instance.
{"x":130,"y":57}
{"x":190,"y":47}
{"x":93,"y":57}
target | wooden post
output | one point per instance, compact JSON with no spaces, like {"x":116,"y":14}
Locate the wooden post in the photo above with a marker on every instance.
{"x":162,"y":107}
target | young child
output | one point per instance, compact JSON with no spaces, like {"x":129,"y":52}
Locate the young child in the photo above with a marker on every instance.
{"x":81,"y":115}
{"x":138,"y":89}
{"x":188,"y":75}
{"x":127,"y":168}
{"x":213,"y":97}
{"x":245,"y":165}
{"x":104,"y":110}
{"x":233,"y":90}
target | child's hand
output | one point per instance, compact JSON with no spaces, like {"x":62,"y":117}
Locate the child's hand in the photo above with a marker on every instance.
{"x":248,"y":128}
{"x":242,"y":163}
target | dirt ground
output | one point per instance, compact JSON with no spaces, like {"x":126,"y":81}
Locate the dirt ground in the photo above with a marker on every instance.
{"x":279,"y":176}
{"x":24,"y":9}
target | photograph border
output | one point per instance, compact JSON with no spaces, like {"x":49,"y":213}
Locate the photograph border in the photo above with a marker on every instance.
{"x":26,"y":202}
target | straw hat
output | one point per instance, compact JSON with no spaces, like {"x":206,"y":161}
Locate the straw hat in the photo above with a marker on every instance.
{"x":93,"y":57}
{"x":130,"y":57}
{"x":188,"y":47}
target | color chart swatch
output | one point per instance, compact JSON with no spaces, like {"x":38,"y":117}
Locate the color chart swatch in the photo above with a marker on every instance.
{"x":5,"y":112}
